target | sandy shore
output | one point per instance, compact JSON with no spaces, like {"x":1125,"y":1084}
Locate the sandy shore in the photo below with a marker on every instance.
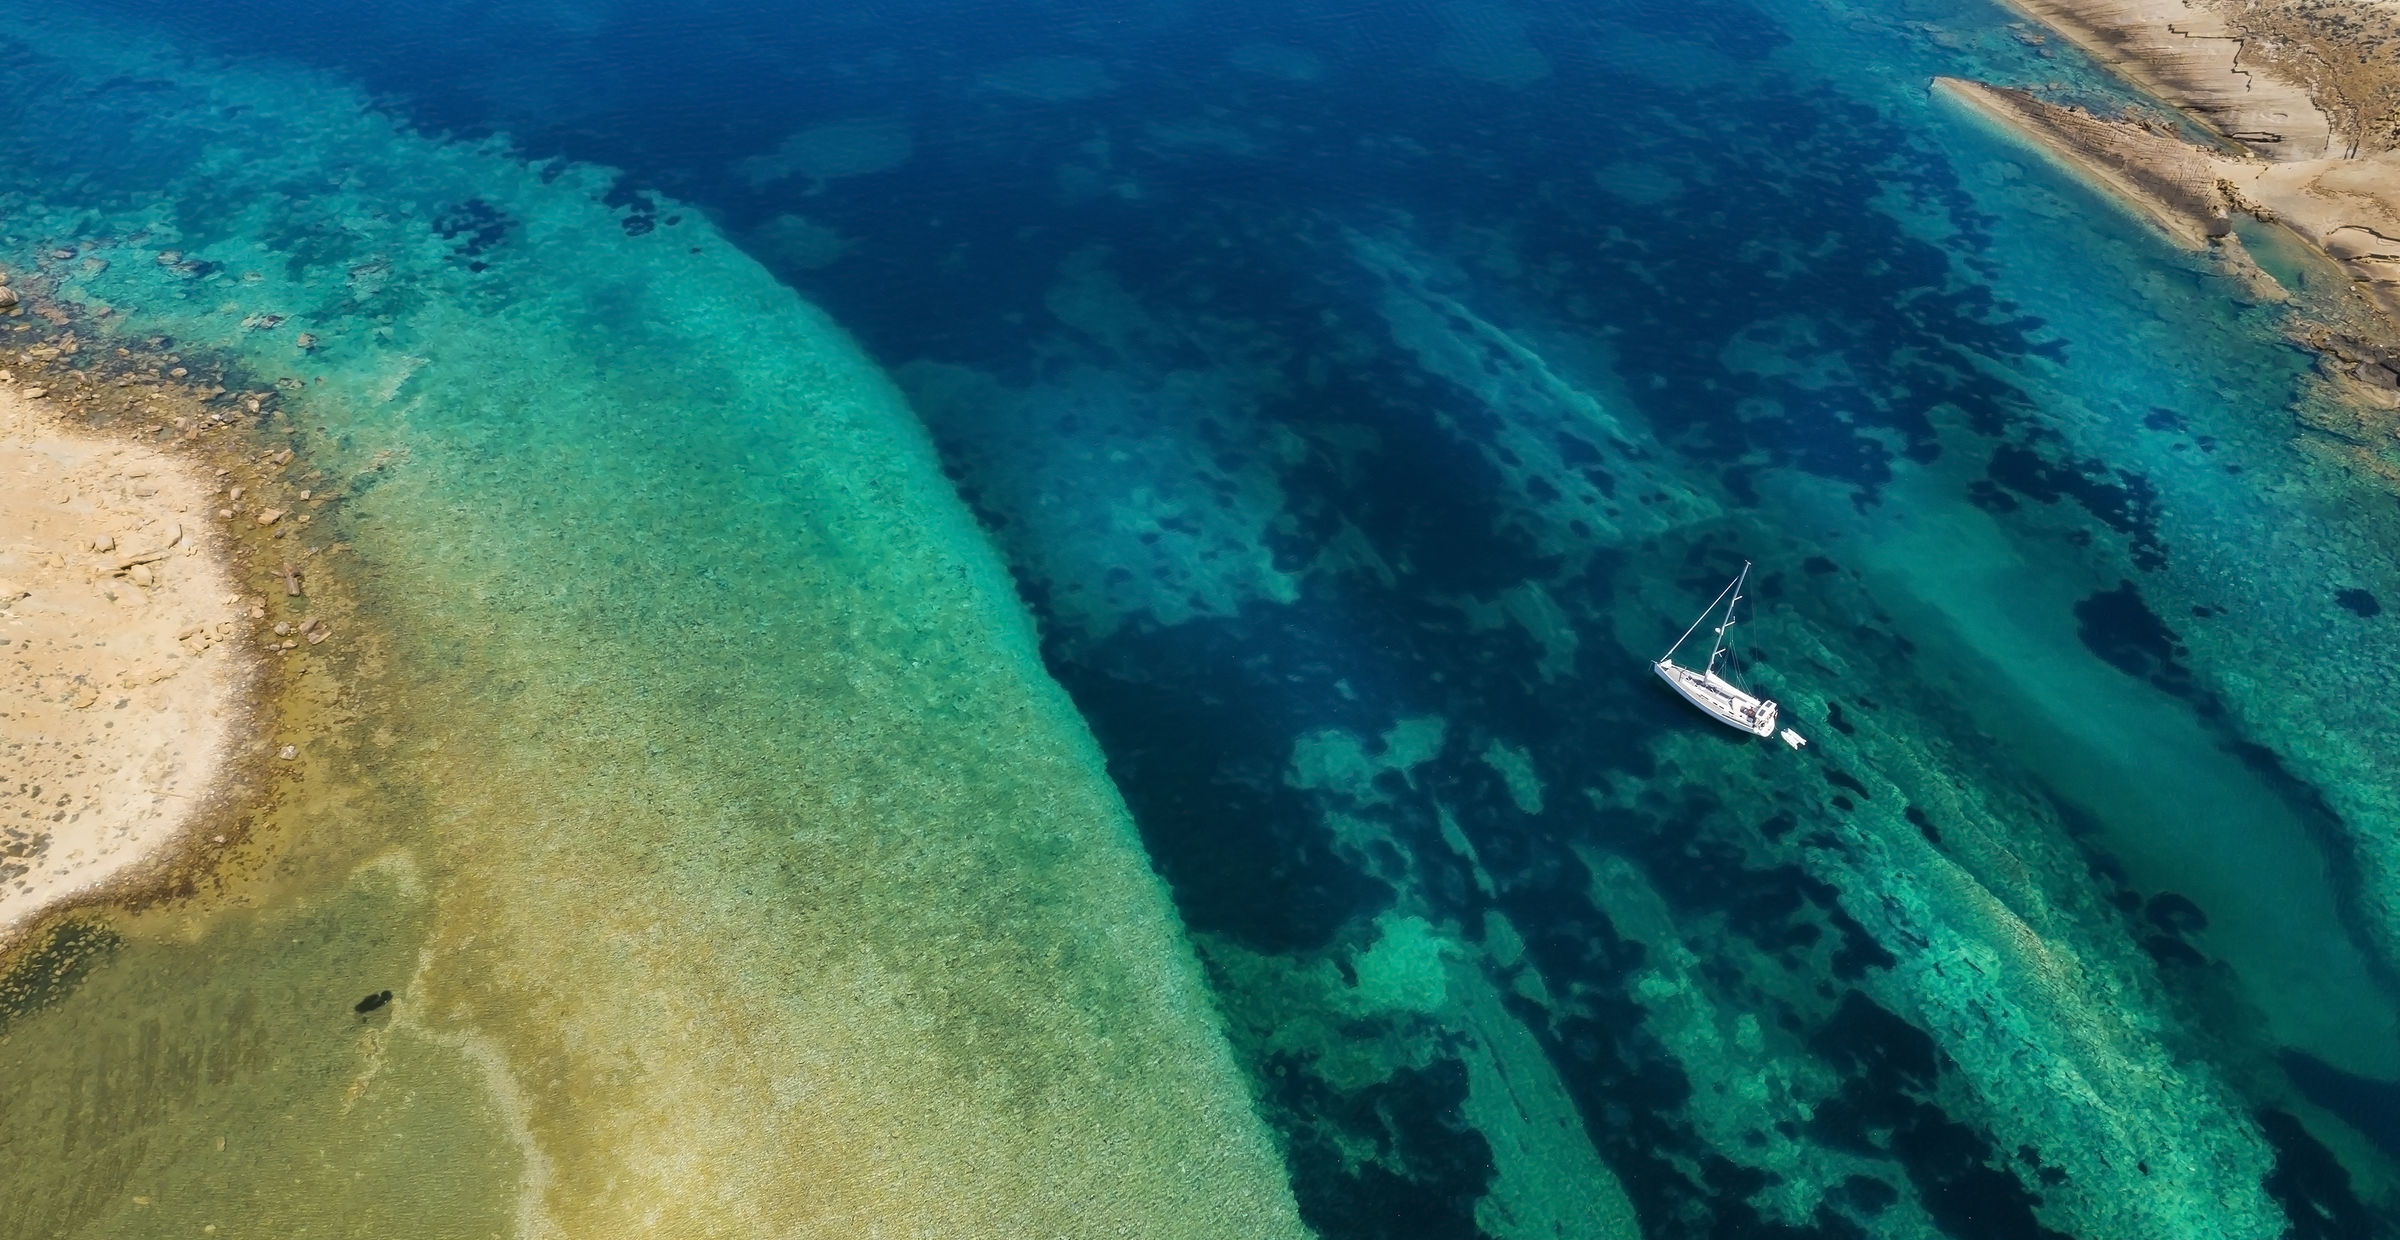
{"x":2171,"y":182}
{"x":118,"y":687}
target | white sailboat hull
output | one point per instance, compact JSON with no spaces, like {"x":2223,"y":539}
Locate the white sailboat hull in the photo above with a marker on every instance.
{"x":1723,"y":702}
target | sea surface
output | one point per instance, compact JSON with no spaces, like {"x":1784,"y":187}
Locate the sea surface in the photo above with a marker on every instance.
{"x":1030,"y":619}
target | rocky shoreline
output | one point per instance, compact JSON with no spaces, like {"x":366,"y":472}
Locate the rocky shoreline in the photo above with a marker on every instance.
{"x":161,"y":675}
{"x":2307,"y":142}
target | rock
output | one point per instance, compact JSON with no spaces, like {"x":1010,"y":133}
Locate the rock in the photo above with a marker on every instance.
{"x":283,"y":628}
{"x":316,"y":631}
{"x":10,"y":592}
{"x":269,"y":516}
{"x":8,"y":298}
{"x":288,"y":752}
{"x":307,"y":340}
{"x":103,"y":542}
{"x":36,"y":393}
{"x":2378,"y":375}
{"x":62,"y":254}
{"x":159,"y":552}
{"x":85,"y":695}
{"x":142,"y":576}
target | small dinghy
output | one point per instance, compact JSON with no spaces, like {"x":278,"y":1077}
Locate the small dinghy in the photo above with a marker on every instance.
{"x":1709,"y":690}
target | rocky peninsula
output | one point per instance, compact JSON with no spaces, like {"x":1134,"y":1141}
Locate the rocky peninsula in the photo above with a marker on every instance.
{"x":2300,"y":103}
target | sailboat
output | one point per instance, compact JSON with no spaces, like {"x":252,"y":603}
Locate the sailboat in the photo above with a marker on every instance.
{"x":1724,"y":701}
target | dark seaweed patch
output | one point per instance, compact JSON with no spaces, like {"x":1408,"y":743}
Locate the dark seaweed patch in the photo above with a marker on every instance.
{"x":2370,"y":1106}
{"x":1427,"y":1167}
{"x":2359,"y":603}
{"x":1866,"y":1194}
{"x":1883,"y":1108}
{"x":53,"y":967}
{"x":1841,"y":779}
{"x":2313,"y":1187}
{"x":2120,"y":628}
{"x":2175,"y":914}
{"x":640,"y":208}
{"x":472,"y":227}
{"x":2120,"y":499}
{"x":1859,"y":951}
{"x":1201,"y":761}
{"x":1629,"y":1092}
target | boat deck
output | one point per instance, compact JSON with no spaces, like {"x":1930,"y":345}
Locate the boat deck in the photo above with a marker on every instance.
{"x":1729,"y":705}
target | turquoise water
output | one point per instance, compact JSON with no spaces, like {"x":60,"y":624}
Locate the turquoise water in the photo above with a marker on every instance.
{"x":1345,"y":405}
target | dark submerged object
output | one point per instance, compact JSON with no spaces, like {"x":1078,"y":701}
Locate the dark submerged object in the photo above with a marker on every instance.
{"x":372,"y":1002}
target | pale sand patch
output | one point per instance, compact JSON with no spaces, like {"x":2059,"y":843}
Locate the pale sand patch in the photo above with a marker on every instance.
{"x":117,"y":698}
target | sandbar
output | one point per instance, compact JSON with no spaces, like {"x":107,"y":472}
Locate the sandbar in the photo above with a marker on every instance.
{"x":119,"y":687}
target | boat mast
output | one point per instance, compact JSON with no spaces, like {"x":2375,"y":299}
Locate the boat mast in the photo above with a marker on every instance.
{"x":1701,"y":619}
{"x":1719,"y":651}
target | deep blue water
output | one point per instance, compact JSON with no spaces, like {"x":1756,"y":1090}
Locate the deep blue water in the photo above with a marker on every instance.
{"x":1324,"y":367}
